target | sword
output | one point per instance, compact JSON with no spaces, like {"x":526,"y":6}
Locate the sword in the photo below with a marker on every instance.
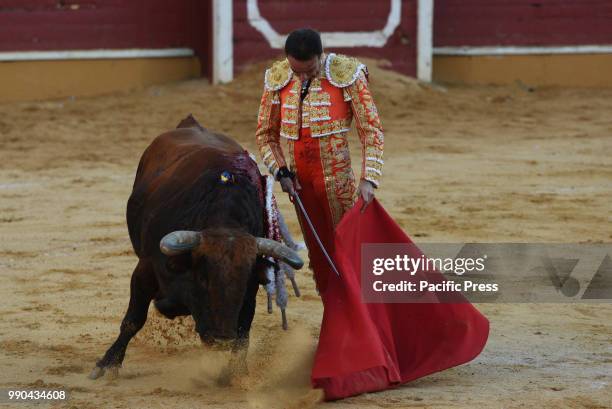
{"x":314,"y":232}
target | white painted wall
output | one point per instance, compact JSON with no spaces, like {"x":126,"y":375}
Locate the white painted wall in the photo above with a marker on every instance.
{"x":95,"y":54}
{"x":223,"y":42}
{"x":424,"y":39}
{"x":518,"y":50}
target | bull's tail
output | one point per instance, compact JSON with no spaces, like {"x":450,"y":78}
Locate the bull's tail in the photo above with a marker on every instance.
{"x":287,"y":238}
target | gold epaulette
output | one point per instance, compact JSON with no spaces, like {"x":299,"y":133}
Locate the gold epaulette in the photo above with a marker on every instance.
{"x":278,"y":75}
{"x":341,"y":70}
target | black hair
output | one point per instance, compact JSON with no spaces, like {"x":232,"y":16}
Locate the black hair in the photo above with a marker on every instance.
{"x":303,"y":44}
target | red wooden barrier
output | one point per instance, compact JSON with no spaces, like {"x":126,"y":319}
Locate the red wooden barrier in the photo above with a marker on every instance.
{"x":522,"y":22}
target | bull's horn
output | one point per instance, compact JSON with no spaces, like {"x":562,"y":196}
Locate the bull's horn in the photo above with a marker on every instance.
{"x":279,"y":251}
{"x":179,"y":242}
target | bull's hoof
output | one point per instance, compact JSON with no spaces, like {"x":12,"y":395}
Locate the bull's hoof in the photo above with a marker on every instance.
{"x":98,"y":372}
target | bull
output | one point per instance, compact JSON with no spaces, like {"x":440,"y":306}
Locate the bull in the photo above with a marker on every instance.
{"x":196,"y":222}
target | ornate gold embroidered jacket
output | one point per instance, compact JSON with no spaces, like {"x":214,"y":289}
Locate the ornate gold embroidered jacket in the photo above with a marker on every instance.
{"x":334,"y":98}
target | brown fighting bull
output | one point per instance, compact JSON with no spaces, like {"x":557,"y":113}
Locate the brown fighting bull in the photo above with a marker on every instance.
{"x":196,"y":221}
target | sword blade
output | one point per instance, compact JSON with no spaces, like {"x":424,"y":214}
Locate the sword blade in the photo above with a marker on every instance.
{"x":314,"y":233}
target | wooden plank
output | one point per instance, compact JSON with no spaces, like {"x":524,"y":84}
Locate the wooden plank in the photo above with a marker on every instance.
{"x":106,"y":24}
{"x":522,"y":22}
{"x":45,"y":25}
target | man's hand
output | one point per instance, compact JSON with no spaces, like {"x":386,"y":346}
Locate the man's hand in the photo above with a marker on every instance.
{"x":366,"y":191}
{"x":288,"y":186}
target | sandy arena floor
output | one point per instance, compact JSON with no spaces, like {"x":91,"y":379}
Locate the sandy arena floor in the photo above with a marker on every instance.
{"x":490,"y":164}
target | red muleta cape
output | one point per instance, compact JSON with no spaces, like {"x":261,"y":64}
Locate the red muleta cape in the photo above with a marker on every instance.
{"x":371,"y":347}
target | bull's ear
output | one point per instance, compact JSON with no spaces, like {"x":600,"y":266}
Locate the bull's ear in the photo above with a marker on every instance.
{"x":179,"y":264}
{"x":261,"y":267}
{"x":261,"y":278}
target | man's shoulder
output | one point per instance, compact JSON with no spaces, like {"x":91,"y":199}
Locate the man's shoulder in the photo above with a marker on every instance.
{"x":278,"y":75}
{"x":342,"y":70}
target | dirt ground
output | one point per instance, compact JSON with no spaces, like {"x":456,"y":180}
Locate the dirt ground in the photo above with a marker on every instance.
{"x":485,"y":164}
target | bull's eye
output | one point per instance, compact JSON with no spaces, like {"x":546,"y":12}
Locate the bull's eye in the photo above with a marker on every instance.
{"x":226,"y":178}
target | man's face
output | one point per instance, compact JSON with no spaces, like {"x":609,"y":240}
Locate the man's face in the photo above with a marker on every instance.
{"x":305,"y":70}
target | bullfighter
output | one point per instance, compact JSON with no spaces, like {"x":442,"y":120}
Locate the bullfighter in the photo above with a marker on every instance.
{"x":309,"y":100}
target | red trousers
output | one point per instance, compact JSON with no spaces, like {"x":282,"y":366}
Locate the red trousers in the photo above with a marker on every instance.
{"x":315,"y":197}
